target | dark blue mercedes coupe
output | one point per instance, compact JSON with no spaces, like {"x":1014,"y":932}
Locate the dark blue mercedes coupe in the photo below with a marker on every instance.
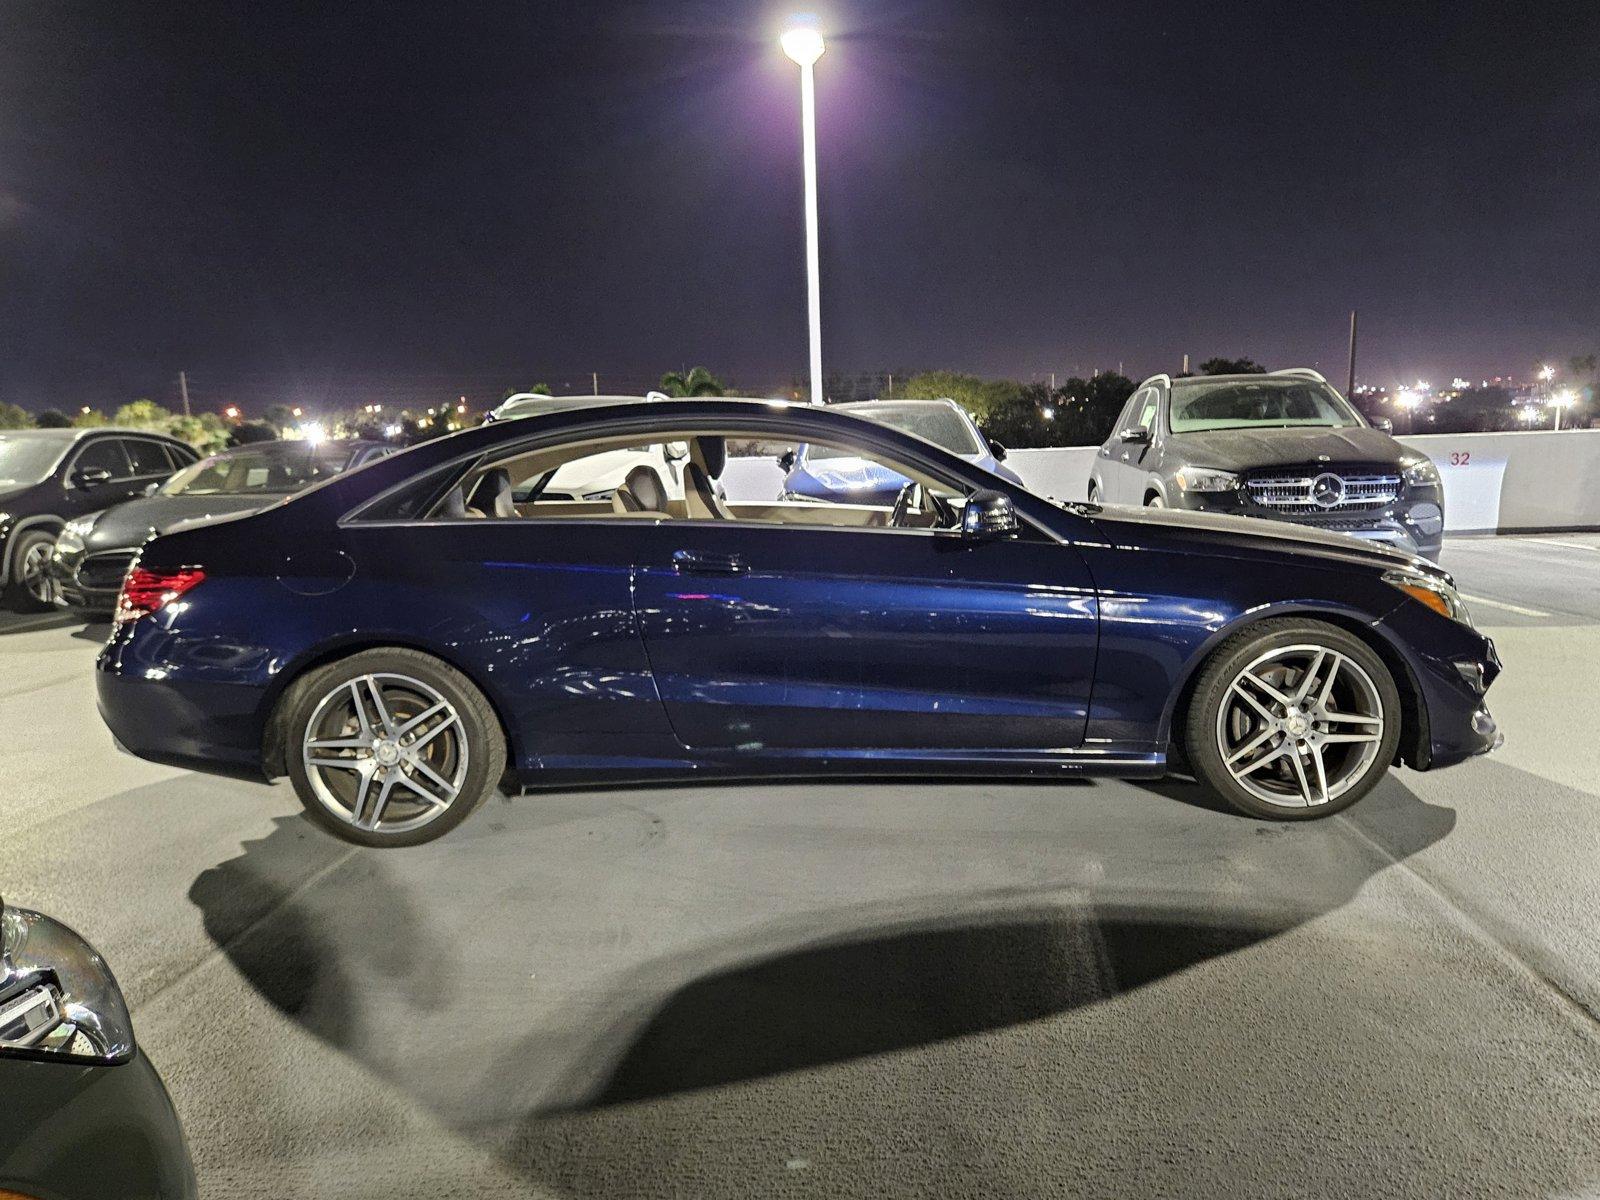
{"x":408,"y":637}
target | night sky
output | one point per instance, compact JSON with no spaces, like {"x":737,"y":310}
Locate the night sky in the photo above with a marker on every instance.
{"x":336,"y":202}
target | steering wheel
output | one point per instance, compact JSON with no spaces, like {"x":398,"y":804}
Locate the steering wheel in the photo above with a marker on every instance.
{"x":903,"y":503}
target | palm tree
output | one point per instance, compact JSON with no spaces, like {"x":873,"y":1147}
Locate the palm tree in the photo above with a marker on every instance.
{"x":697,"y":381}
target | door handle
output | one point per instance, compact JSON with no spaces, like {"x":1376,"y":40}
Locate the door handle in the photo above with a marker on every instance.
{"x":695,"y":562}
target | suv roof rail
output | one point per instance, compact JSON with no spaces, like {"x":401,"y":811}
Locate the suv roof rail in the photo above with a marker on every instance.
{"x":1302,"y":372}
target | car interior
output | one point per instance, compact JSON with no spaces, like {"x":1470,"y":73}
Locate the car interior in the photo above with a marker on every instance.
{"x":512,"y":488}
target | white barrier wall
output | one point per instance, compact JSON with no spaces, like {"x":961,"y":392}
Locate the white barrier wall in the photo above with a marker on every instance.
{"x":1492,"y":481}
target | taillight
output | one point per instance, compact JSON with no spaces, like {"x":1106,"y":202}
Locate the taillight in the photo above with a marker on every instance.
{"x":144,"y":591}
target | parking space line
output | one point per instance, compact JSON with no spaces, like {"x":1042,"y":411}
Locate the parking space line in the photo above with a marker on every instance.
{"x":1516,"y":608}
{"x":1543,"y":541}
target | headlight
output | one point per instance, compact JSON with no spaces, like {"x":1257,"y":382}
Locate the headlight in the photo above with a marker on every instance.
{"x":1421,"y":473}
{"x":70,"y":541}
{"x":79,"y":527}
{"x":1435,"y":593}
{"x":57,"y":996}
{"x":1207,"y":479}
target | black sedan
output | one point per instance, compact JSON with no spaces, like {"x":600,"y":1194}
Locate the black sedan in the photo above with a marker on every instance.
{"x":93,"y":552}
{"x":1285,"y":446}
{"x":50,"y":476}
{"x":82,"y":1111}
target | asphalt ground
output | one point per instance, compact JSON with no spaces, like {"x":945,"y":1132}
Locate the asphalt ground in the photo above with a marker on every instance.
{"x":863,"y":989}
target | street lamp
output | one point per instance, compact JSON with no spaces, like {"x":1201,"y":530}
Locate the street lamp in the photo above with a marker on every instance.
{"x":1561,"y":400}
{"x":803,"y":43}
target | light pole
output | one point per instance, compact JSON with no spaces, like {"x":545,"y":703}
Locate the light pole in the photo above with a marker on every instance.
{"x":804,"y":45}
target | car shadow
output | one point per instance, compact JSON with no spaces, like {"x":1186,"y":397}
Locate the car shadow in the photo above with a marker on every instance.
{"x":548,"y":974}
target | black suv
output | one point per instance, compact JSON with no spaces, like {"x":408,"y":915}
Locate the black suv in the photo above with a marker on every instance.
{"x":1284,"y":445}
{"x":49,"y":476}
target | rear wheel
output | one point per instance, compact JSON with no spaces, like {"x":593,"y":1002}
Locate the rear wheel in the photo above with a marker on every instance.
{"x":32,"y":589}
{"x":391,"y":747}
{"x":1154,"y":501}
{"x":1293,"y":719}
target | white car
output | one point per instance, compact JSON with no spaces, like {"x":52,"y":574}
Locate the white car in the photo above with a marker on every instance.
{"x":596,"y":476}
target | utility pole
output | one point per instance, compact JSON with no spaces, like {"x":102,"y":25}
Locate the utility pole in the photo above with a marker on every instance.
{"x":594,"y":378}
{"x":891,"y":385}
{"x":183,"y":388}
{"x":1185,"y":364}
{"x":1350,"y":386}
{"x":1052,"y":383}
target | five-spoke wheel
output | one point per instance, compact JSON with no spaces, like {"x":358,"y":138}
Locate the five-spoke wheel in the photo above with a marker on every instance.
{"x":392,"y":747}
{"x":1293,"y":718}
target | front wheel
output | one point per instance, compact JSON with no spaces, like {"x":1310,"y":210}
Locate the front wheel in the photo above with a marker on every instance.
{"x":1293,"y":719}
{"x":32,"y":589}
{"x":391,"y":747}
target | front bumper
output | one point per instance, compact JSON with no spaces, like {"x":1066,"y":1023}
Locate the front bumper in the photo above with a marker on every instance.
{"x":1413,"y":523}
{"x":88,"y":581}
{"x":1452,"y":667}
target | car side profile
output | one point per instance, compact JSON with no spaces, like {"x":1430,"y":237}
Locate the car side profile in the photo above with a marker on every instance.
{"x":93,"y":552}
{"x":51,"y":476}
{"x":1283,"y":446}
{"x":405,"y":639}
{"x":598,"y":476}
{"x":827,"y":473}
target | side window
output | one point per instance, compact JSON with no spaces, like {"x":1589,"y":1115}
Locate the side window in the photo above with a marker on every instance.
{"x":103,"y":454}
{"x":149,"y":458}
{"x":181,"y":456}
{"x":1148,"y":407}
{"x":1129,"y":416}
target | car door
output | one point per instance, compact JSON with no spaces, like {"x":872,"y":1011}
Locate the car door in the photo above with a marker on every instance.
{"x":98,"y":476}
{"x":826,"y":638}
{"x":1123,"y":460}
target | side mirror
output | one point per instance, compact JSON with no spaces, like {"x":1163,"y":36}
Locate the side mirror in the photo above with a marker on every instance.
{"x":996,"y":449}
{"x":989,"y":515}
{"x":1135,"y":433}
{"x":91,"y":477}
{"x":787,"y":459}
{"x":1383,"y":423}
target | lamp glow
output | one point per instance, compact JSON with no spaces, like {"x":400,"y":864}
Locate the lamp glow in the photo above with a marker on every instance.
{"x":803,"y":44}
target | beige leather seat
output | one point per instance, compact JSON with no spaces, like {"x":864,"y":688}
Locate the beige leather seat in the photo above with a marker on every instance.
{"x":641,"y":492}
{"x":707,"y":456}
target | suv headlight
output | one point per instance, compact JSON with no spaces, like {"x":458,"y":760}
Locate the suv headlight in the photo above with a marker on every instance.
{"x":1207,"y":479}
{"x":57,"y":996}
{"x":1421,"y":473}
{"x":1435,"y":593}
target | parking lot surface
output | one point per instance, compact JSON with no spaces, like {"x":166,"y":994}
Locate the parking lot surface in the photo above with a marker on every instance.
{"x":863,"y":988}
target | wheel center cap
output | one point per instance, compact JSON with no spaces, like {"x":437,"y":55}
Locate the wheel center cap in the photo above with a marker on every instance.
{"x":387,"y":754}
{"x":1298,"y":725}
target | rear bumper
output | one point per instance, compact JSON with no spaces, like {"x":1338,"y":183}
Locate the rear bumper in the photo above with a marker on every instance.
{"x":190,"y":723}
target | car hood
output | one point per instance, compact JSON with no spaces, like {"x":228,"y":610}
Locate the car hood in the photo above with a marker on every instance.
{"x":1241,"y":449}
{"x":853,"y":475}
{"x":1222,"y":533}
{"x":131,"y":523}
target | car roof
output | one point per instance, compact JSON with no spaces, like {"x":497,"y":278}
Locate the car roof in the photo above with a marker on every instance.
{"x":285,"y":445}
{"x":75,"y":435}
{"x":908,"y":402}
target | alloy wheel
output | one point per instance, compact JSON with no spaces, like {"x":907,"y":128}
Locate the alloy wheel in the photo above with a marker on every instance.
{"x":385,"y":753}
{"x":36,"y":579}
{"x":1300,"y":725}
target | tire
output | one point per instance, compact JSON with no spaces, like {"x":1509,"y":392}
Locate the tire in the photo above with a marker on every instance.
{"x":1350,"y":727}
{"x":1094,"y":493}
{"x":23,"y":594}
{"x":1154,"y":501}
{"x":461,"y":747}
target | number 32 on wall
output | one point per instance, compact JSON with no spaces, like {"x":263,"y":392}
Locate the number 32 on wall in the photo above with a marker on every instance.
{"x":1460,"y":458}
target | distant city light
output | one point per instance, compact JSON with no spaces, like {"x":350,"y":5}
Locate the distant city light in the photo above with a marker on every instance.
{"x":231,"y":412}
{"x":1547,"y":373}
{"x":392,"y":430}
{"x":1528,"y":415}
{"x":1564,"y":399}
{"x":295,"y":411}
{"x":313,"y":432}
{"x":1048,"y":413}
{"x":1407,"y":398}
{"x":1459,"y":383}
{"x":85,"y":410}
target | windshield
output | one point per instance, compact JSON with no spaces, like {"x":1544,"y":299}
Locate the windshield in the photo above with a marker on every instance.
{"x":1199,"y":406}
{"x":27,"y":459}
{"x":940,"y":424}
{"x":249,"y":472}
